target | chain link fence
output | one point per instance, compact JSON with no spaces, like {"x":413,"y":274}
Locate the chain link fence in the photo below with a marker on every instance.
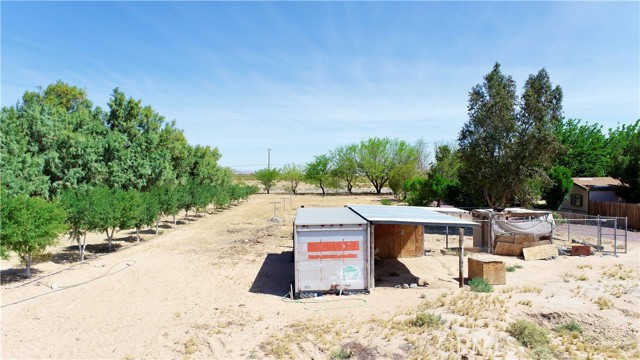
{"x":604,"y":234}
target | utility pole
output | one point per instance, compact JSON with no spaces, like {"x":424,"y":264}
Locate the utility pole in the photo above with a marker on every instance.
{"x":269,"y":159}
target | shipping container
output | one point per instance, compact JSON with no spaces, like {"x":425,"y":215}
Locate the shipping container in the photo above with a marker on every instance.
{"x":331,"y":252}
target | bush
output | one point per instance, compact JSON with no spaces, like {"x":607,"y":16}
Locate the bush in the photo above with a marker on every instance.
{"x":427,"y":320}
{"x":480,"y":285}
{"x":571,"y":326}
{"x":386,"y":202}
{"x":530,"y":335}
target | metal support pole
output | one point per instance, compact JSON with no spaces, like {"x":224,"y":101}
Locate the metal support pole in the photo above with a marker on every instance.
{"x":569,"y":231}
{"x":461,"y":255}
{"x":268,"y":159}
{"x":446,"y":238}
{"x":599,"y":234}
{"x":615,"y":237}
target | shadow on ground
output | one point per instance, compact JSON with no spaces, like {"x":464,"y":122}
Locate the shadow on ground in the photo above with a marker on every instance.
{"x":15,"y":275}
{"x":275,"y":275}
{"x":391,"y":272}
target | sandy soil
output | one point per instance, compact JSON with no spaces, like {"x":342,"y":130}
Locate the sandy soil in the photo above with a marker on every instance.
{"x":213,"y":288}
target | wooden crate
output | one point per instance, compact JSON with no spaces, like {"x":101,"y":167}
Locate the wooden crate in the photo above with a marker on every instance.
{"x":494,"y":272}
{"x":580,"y":250}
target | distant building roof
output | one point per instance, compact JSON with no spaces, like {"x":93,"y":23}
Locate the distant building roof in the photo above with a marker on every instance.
{"x":596,"y":182}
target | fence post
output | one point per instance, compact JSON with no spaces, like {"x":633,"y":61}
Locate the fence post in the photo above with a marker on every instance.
{"x":599,"y":233}
{"x":569,"y":229}
{"x":615,"y":238}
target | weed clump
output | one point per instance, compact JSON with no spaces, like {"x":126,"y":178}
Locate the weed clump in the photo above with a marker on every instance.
{"x":427,"y":320}
{"x":533,"y":337}
{"x":571,"y":326}
{"x":480,"y":285}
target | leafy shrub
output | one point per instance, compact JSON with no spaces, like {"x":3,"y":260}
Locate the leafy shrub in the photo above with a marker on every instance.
{"x":386,"y":202}
{"x":480,"y":285}
{"x":529,"y":334}
{"x":571,"y":326}
{"x":427,"y":320}
{"x":513,"y":268}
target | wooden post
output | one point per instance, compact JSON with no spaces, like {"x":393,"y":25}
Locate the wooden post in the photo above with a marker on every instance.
{"x":461,"y":254}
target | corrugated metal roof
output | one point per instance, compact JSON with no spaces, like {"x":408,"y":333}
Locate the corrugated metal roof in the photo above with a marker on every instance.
{"x":327,"y":216}
{"x":407,"y":215}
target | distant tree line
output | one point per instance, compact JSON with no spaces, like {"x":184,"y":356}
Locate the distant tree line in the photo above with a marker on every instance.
{"x":513,"y":151}
{"x":67,"y":165}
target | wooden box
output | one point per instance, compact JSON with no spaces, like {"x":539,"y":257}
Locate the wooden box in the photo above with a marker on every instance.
{"x":494,"y":272}
{"x":580,"y":250}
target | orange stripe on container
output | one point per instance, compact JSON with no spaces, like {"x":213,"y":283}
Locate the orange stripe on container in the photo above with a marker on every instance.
{"x":333,"y":256}
{"x":333,"y":246}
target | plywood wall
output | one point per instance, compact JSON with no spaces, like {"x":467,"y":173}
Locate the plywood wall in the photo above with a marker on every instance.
{"x":397,"y":241}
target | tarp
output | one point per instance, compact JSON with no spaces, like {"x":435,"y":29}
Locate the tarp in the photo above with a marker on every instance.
{"x":543,"y":226}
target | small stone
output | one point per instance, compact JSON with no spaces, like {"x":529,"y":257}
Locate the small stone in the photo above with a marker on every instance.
{"x":397,"y":286}
{"x":422,"y":282}
{"x":413,"y":285}
{"x":405,"y":286}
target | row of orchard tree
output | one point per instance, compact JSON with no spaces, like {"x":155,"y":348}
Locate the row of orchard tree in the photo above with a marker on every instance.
{"x":513,"y":150}
{"x":68,"y":165}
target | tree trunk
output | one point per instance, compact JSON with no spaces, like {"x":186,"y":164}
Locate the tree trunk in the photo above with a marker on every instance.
{"x":83,"y":247}
{"x":27,"y":259}
{"x":109,"y":237}
{"x":174,"y":221}
{"x":137,"y":234}
{"x":157,"y":223}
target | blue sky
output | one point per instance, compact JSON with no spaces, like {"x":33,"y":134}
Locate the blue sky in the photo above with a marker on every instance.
{"x":304,"y":77}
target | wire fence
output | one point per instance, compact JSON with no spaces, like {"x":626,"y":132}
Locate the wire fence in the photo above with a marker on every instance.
{"x":604,"y":234}
{"x":608,"y":235}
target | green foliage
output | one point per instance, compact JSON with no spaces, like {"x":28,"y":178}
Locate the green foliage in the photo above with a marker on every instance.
{"x":586,"y":152}
{"x":386,"y":202}
{"x":561,"y":184}
{"x":77,"y":205}
{"x":480,"y":285}
{"x":513,"y":268}
{"x":423,"y":191}
{"x":626,"y":161}
{"x":267,"y":178}
{"x":380,"y":158}
{"x":293,"y":174}
{"x":427,"y":320}
{"x":113,"y":209}
{"x":571,"y":326}
{"x":508,"y":142}
{"x":318,"y":172}
{"x":344,"y":166}
{"x":29,"y":225}
{"x":532,"y":337}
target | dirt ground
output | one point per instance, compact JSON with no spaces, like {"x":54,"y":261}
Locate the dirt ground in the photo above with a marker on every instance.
{"x":214,"y":287}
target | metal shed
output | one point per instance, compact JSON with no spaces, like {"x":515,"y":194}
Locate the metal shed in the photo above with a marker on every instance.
{"x":334,"y":248}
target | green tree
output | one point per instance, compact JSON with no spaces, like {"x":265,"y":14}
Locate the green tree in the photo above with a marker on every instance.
{"x":344,"y":165}
{"x":267,"y":177}
{"x":77,"y":205}
{"x":133,"y":155}
{"x":148,"y":210}
{"x":29,"y":225}
{"x":626,"y":166}
{"x":379,"y":158}
{"x":168,"y":201}
{"x":318,"y":172}
{"x":507,"y":144}
{"x":293,"y":174}
{"x":113,"y":209}
{"x":561,"y":184}
{"x":20,"y":168}
{"x":585,"y":149}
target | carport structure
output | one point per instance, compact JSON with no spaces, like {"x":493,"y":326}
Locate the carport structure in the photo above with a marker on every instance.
{"x":335,"y":248}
